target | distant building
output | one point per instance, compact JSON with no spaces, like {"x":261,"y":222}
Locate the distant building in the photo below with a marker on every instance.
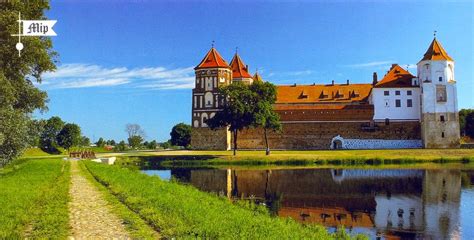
{"x":399,"y":111}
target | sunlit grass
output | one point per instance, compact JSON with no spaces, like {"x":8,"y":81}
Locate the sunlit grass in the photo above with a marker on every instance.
{"x":182,"y":211}
{"x":33,"y":199}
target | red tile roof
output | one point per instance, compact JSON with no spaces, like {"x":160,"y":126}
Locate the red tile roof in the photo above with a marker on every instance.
{"x":239,"y":69}
{"x":338,"y":93}
{"x":212,"y":60}
{"x":397,"y":77}
{"x":436,"y":52}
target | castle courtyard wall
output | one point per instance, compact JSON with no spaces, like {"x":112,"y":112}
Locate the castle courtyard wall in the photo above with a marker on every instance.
{"x":319,"y":135}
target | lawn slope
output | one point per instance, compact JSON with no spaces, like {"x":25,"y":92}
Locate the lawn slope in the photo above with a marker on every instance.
{"x":33,"y":199}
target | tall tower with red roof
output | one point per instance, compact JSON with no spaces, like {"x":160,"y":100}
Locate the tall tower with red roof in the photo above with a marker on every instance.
{"x":240,"y":71}
{"x":211,"y":73}
{"x":439,"y":110}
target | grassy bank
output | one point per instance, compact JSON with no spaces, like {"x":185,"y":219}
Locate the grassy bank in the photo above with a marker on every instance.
{"x":308,"y":158}
{"x":33,"y":199}
{"x":183,"y":211}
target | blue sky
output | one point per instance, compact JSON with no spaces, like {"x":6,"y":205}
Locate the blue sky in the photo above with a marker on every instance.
{"x":132,"y":61}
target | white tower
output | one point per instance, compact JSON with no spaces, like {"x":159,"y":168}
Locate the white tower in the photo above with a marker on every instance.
{"x":439,"y":110}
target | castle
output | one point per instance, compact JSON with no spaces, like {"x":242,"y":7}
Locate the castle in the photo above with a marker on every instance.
{"x":398,"y":111}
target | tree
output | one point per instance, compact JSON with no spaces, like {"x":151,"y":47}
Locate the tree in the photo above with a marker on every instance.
{"x":48,"y":138}
{"x":181,"y":135}
{"x":152,"y":145}
{"x":134,"y":130}
{"x":462,"y":120}
{"x":121,"y":146}
{"x":135,"y":141}
{"x":470,"y":124}
{"x":19,"y":97}
{"x":165,"y":145}
{"x":85,"y":141}
{"x":100,"y":142}
{"x":237,"y":112}
{"x":69,"y":136}
{"x":264,"y":116}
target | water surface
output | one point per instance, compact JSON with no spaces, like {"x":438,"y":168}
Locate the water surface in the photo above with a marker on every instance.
{"x":383,"y":203}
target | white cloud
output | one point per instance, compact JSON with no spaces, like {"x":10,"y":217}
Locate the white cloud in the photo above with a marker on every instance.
{"x":93,"y":82}
{"x":89,"y":75}
{"x":370,"y":64}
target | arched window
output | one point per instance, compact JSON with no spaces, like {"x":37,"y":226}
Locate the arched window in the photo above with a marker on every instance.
{"x":204,"y":117}
{"x":196,"y":123}
{"x":450,"y":72}
{"x":208,"y":99}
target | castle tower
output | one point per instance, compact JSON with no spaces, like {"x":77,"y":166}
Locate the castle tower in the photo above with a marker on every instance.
{"x":257,"y":77}
{"x":240,"y":71}
{"x":211,"y":73}
{"x":439,"y":110}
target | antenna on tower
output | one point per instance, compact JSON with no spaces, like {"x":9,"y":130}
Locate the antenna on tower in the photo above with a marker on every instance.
{"x":434,"y":33}
{"x":212,"y":44}
{"x":236,"y":50}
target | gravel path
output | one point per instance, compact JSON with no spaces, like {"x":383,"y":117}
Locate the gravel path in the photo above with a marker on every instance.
{"x":90,"y":216}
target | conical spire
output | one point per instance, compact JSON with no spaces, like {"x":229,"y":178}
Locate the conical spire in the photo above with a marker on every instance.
{"x":257,"y":77}
{"x":436,"y":52}
{"x":212,"y":60}
{"x":239,"y":69}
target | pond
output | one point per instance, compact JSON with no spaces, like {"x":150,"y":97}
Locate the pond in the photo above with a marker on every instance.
{"x":382,"y":203}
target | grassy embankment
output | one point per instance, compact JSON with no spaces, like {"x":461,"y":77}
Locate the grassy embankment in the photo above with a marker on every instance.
{"x":183,"y":211}
{"x":321,"y":157}
{"x":33,"y":199}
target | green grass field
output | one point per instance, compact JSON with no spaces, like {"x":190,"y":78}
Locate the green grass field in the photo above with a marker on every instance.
{"x":183,"y":211}
{"x":33,"y":199}
{"x":358,"y":158}
{"x":420,"y":154}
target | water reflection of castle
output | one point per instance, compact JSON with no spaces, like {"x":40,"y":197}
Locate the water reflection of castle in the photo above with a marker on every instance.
{"x":393,"y":203}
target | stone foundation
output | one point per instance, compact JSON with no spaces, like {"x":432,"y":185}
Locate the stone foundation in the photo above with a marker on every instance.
{"x":207,"y":139}
{"x":379,"y":144}
{"x":440,"y":134}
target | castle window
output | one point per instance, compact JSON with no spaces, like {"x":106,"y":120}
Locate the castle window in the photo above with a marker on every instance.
{"x":441,"y":93}
{"x":386,"y":93}
{"x":441,"y":118}
{"x":442,"y":134}
{"x":409,"y":103}
{"x":208,"y":99}
{"x":409,"y":92}
{"x":398,"y":103}
{"x":387,"y":121}
{"x":397,"y":92}
{"x":440,"y":79}
{"x":387,"y":103}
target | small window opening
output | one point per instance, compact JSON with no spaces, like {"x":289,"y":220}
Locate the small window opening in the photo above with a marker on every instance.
{"x":387,"y":121}
{"x":442,"y":134}
{"x":398,"y":103}
{"x":440,"y":79}
{"x":441,"y":118}
{"x":386,"y":93}
{"x":397,"y":92}
{"x":409,"y":92}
